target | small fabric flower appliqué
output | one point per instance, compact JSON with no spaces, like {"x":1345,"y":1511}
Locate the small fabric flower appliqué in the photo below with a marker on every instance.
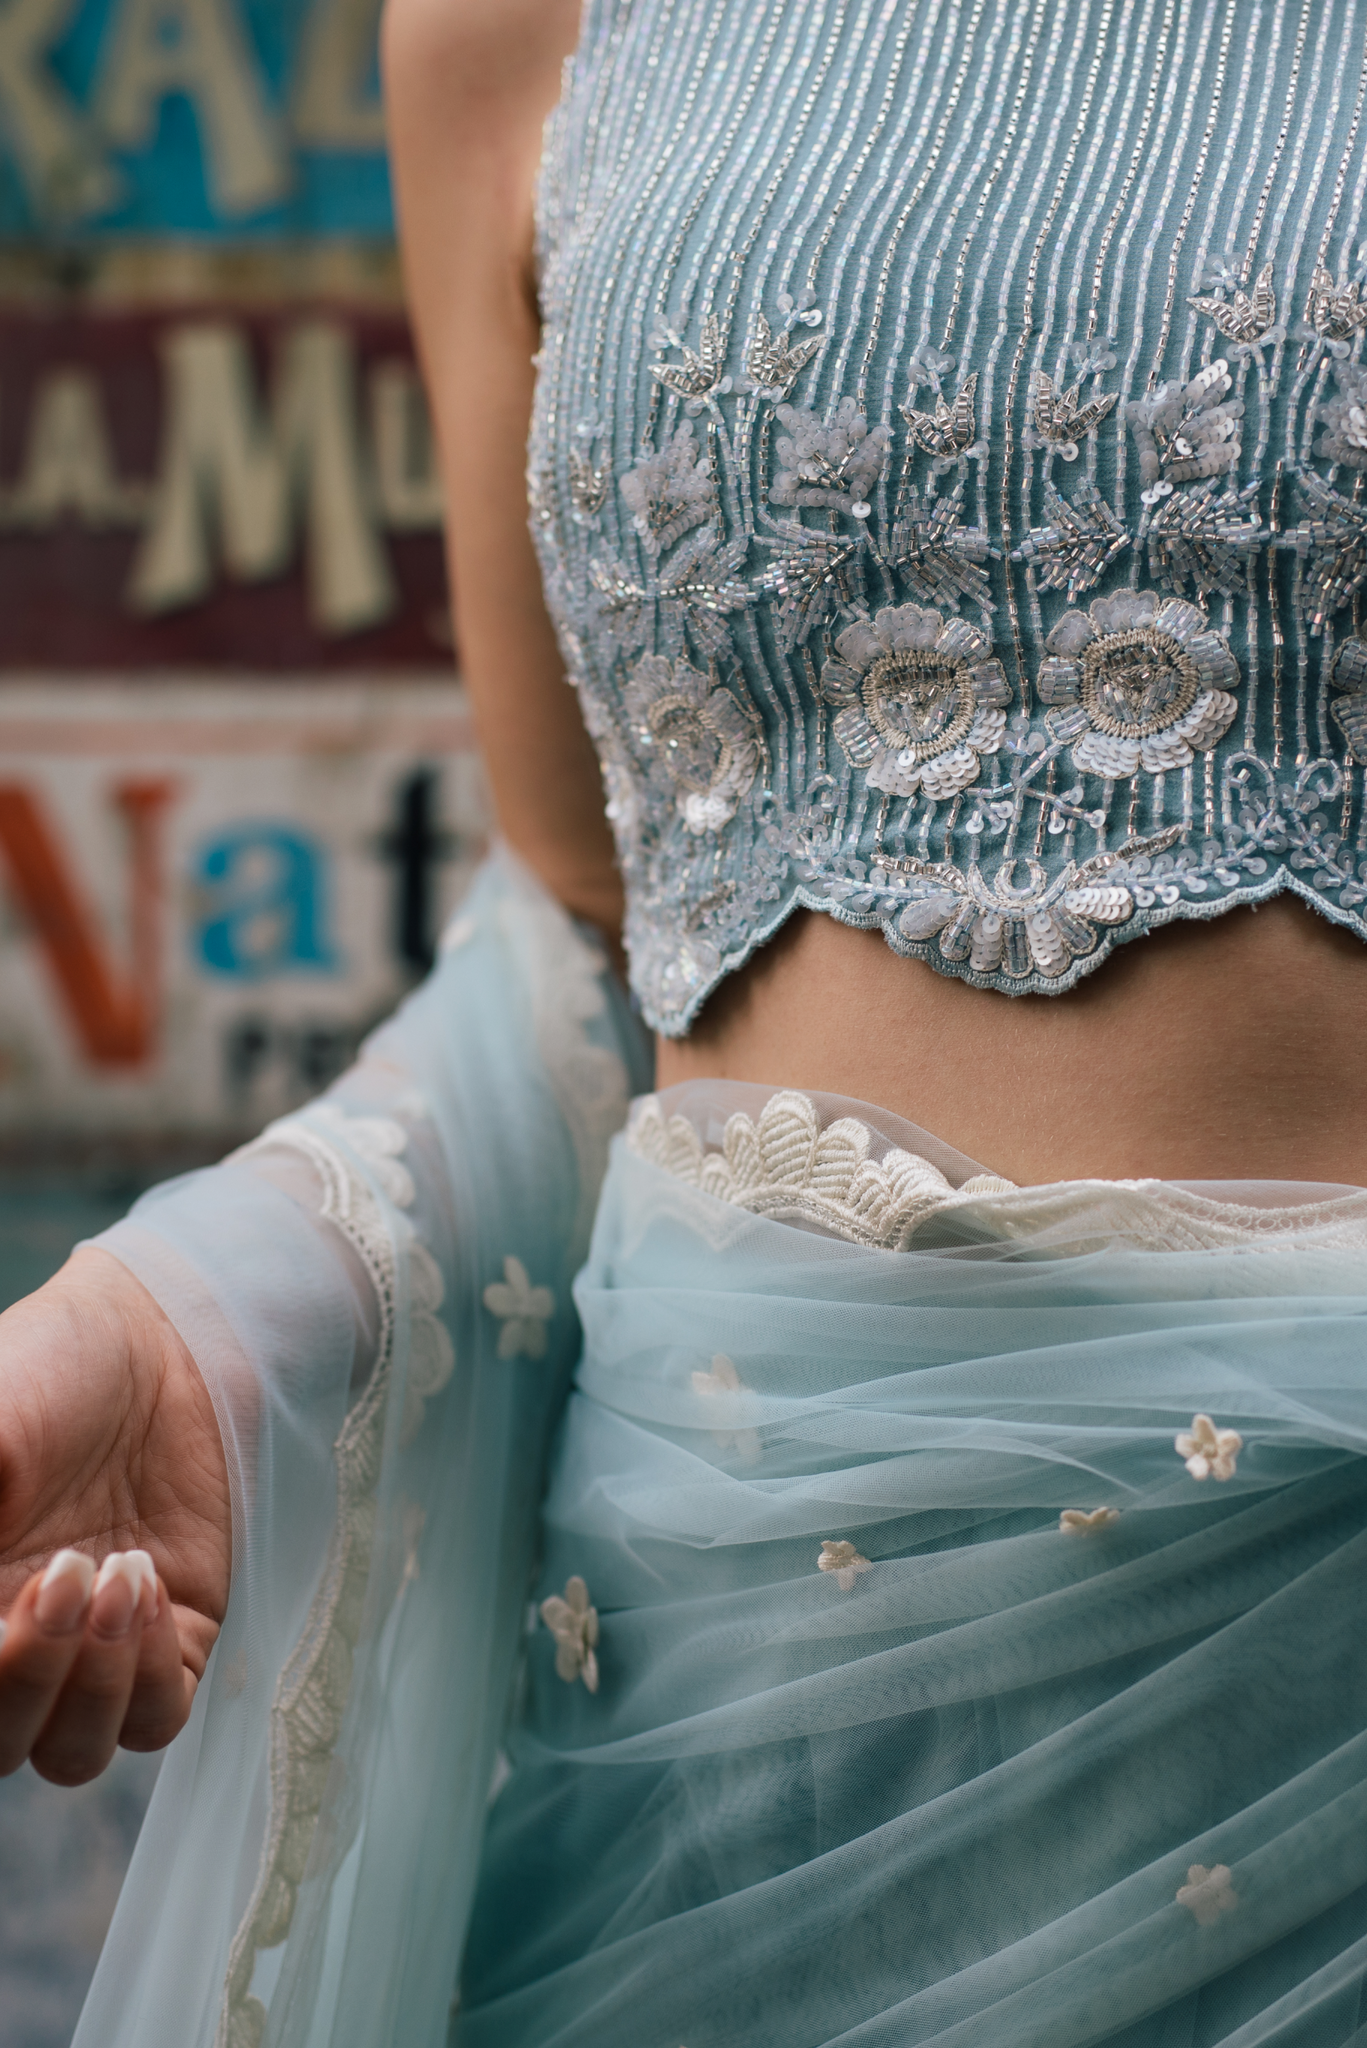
{"x":1207,"y":1893}
{"x":574,"y":1624}
{"x":523,"y":1310}
{"x":1210,"y":1453}
{"x":721,"y":1381}
{"x":1078,"y":1522}
{"x":844,"y":1560}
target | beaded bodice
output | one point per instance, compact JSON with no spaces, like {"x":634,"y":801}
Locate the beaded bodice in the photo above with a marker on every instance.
{"x":949,"y":467}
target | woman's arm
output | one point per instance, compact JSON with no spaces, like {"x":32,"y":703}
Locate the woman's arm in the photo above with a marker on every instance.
{"x":108,"y":1438}
{"x":469,"y":84}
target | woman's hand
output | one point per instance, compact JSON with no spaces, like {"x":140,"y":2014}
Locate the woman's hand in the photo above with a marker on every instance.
{"x":108,"y":1445}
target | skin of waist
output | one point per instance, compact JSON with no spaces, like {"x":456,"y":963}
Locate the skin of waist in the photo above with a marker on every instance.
{"x":1222,"y":1050}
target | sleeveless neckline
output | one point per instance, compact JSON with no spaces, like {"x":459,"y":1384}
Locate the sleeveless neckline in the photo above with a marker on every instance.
{"x":947,"y":468}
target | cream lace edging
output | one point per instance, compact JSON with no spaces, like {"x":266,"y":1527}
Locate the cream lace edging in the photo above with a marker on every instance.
{"x":785,"y":1166}
{"x":313,"y":1687}
{"x":312,"y":1691}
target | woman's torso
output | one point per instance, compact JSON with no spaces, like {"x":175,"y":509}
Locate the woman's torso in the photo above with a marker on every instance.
{"x":815,"y":492}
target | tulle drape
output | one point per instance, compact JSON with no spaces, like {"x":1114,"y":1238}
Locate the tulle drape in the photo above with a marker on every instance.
{"x":996,"y":1781}
{"x":879,"y":1752}
{"x":379,"y":1297}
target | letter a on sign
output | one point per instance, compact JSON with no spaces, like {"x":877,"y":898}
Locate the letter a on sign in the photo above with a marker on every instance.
{"x":196,"y":47}
{"x":115,"y":1015}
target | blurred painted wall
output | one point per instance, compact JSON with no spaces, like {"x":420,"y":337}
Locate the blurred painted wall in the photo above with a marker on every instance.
{"x":237,"y":792}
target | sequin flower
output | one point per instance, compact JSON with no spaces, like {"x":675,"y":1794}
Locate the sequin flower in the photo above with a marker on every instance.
{"x":1138,"y":681}
{"x":920,"y":700}
{"x":574,"y":1624}
{"x":696,"y":740}
{"x":1210,"y":1453}
{"x":835,"y":465}
{"x":844,"y":1561}
{"x":1349,"y":711}
{"x":671,"y":492}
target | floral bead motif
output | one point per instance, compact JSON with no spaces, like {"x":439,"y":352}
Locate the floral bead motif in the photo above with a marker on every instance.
{"x":1334,"y":312}
{"x":671,"y":492}
{"x":1186,"y":431}
{"x":835,"y":465}
{"x":695,"y":737}
{"x":1344,"y":417}
{"x":1060,"y":422}
{"x":1208,"y":1452}
{"x":949,"y":432}
{"x":1349,"y":711}
{"x":1331,"y":542}
{"x":1249,"y":319}
{"x":921,"y":700}
{"x":774,"y":363}
{"x":1140,"y":681}
{"x":1078,"y":545}
{"x":574,"y":1624}
{"x":844,"y":1561}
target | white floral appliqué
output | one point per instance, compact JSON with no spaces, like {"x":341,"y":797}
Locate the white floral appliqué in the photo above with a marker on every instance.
{"x":1209,"y":1453}
{"x":921,"y":700}
{"x":844,"y":1560}
{"x":574,"y":1624}
{"x":1207,"y":1893}
{"x":523,"y":1310}
{"x":721,"y":1383}
{"x":1078,"y":1522}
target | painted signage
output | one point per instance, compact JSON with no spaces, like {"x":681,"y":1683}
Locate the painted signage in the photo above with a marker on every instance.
{"x":210,"y":890}
{"x":216,"y":483}
{"x":230,"y":118}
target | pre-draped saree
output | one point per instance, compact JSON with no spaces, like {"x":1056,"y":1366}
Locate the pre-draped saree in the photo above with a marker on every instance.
{"x":916,"y":1686}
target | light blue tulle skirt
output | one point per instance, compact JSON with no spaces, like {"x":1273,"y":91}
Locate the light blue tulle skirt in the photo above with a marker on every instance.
{"x":983,"y":1778}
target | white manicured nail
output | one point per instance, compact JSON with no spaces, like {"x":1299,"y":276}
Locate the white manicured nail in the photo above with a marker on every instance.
{"x":64,"y":1592}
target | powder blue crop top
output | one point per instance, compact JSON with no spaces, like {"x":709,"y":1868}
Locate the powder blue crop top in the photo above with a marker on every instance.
{"x":949,"y":468}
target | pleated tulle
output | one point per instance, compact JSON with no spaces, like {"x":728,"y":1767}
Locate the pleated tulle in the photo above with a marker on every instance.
{"x":953,"y":1797}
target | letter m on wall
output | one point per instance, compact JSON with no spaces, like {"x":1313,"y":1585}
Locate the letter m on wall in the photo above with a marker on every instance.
{"x":114,"y":1012}
{"x":235,"y":473}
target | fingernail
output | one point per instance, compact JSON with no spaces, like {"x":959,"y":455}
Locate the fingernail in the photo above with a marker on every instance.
{"x":64,"y":1592}
{"x":118,"y":1589}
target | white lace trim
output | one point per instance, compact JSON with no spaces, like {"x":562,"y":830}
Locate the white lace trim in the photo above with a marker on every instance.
{"x":312,"y":1690}
{"x":590,"y":1087}
{"x":785,"y":1166}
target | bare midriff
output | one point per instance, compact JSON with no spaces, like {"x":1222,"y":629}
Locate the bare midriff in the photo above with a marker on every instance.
{"x":1226,"y":1050}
